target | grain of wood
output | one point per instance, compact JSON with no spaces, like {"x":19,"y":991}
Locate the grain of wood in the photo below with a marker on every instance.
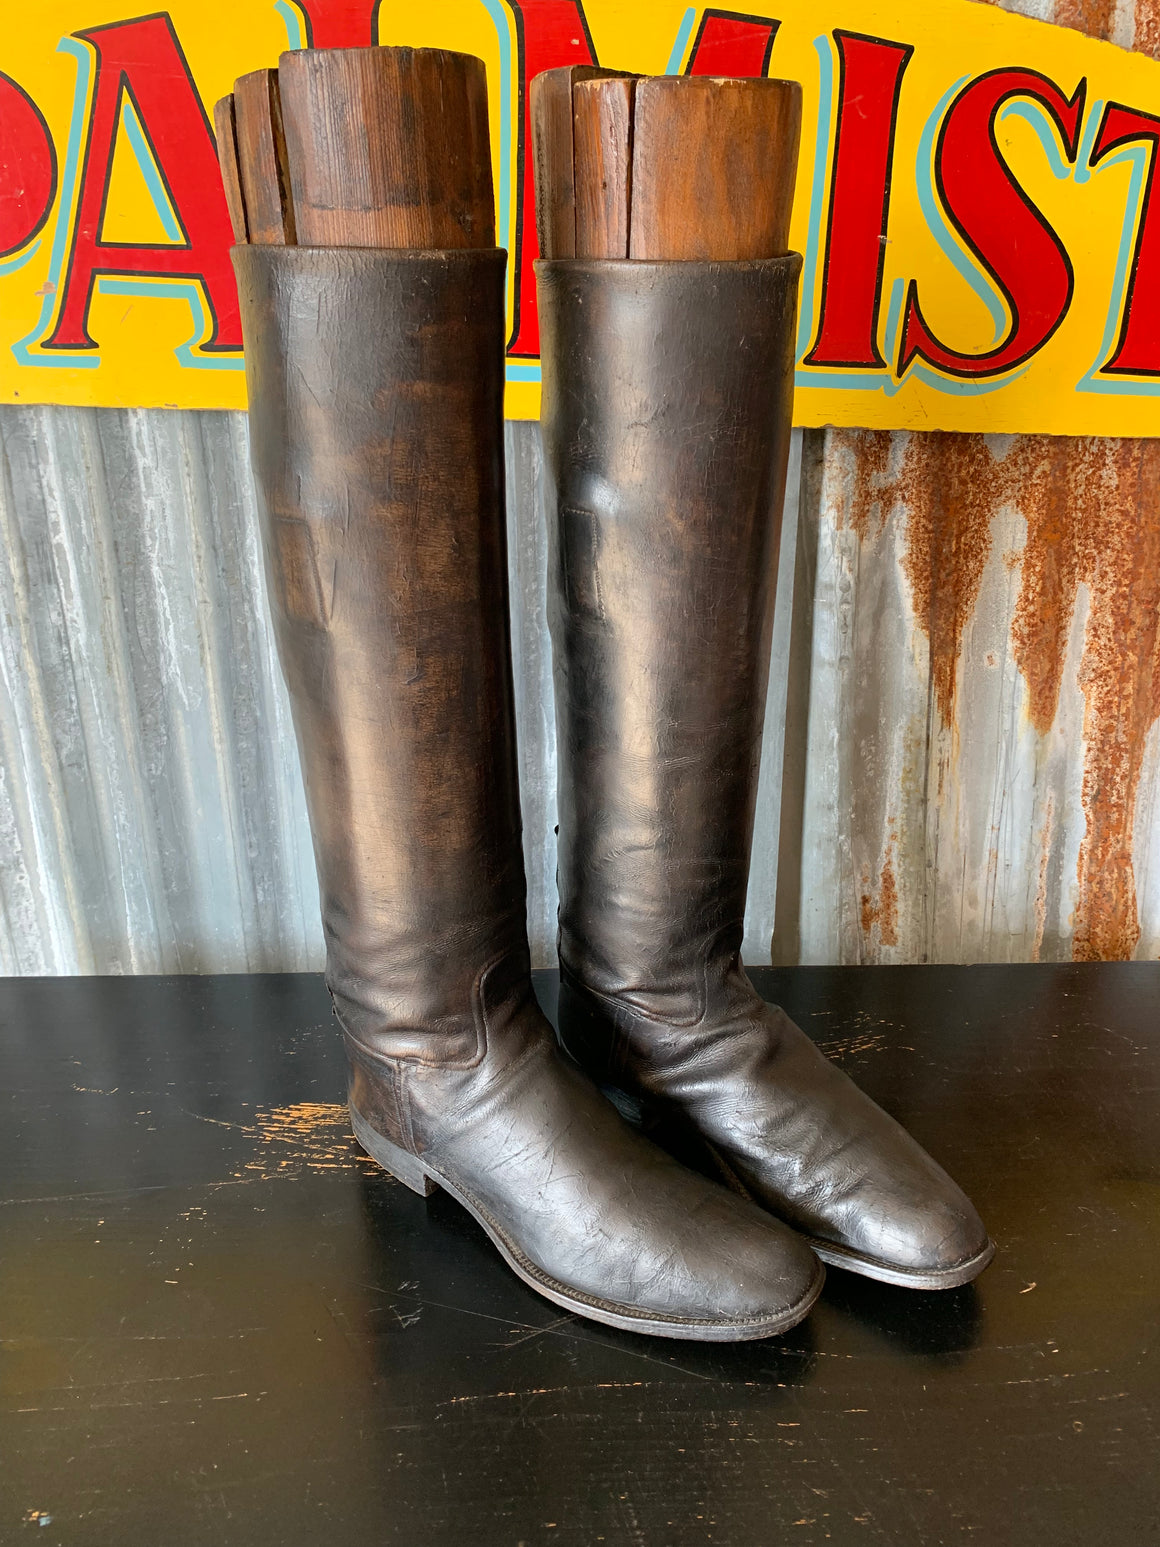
{"x":388,"y":147}
{"x":713,"y":167}
{"x":262,"y":159}
{"x":551,"y":106}
{"x":225,"y":131}
{"x":602,"y":161}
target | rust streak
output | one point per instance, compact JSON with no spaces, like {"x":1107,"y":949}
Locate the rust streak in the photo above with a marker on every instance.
{"x":1120,"y":677}
{"x":888,"y":901}
{"x":883,"y":910}
{"x":949,"y":486}
{"x":1093,"y":17}
{"x":1147,"y":28}
{"x":871,"y":493}
{"x":1047,"y":466}
{"x":869,"y":906}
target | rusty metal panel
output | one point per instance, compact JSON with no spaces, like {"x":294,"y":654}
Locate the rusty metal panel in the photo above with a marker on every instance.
{"x":983,"y":751}
{"x":980,"y":735}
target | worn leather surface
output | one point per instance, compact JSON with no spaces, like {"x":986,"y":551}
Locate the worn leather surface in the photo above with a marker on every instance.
{"x":375,"y":387}
{"x":666,"y":418}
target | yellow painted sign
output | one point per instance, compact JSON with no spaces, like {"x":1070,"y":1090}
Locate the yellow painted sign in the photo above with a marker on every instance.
{"x":974,"y":202}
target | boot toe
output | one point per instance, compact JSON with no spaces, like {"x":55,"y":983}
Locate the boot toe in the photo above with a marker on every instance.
{"x":687,"y":1260}
{"x":864,"y":1192}
{"x":741,"y":1268}
{"x":919,"y":1241}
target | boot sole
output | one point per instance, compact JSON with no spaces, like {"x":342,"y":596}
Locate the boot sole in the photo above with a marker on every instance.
{"x":425,"y":1180}
{"x":904,"y":1278}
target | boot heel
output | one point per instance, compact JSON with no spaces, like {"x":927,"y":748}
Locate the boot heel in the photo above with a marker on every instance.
{"x":403,"y":1167}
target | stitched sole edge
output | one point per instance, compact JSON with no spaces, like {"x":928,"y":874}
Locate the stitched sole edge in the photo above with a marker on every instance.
{"x":903,"y":1278}
{"x":594,"y":1309}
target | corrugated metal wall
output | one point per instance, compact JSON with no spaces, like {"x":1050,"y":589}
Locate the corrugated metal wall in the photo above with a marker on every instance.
{"x":963,"y":754}
{"x":981,"y":617}
{"x":982,"y":747}
{"x":151,"y":808}
{"x":978,"y":620}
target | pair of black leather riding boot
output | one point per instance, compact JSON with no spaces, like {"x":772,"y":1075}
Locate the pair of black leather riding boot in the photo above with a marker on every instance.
{"x":375,"y":383}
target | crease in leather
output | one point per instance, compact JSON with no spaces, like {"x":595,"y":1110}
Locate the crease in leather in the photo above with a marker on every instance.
{"x":402,"y":1074}
{"x":623,"y":998}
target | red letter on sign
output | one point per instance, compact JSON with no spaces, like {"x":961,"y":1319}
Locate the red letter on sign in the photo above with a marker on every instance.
{"x":340,"y":23}
{"x":1138,"y":350}
{"x":142,"y":59}
{"x":27,"y":168}
{"x":871,"y":80}
{"x":548,"y":33}
{"x":730,"y":43}
{"x":999,"y":223}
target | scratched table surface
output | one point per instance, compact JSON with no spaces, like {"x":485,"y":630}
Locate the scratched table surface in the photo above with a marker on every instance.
{"x":220,"y":1323}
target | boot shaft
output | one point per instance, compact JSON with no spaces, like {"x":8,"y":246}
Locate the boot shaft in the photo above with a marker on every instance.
{"x":375,"y":384}
{"x":666,"y":421}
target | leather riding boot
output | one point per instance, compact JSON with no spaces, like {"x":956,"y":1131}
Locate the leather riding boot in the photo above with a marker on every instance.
{"x":375,"y":385}
{"x":666,"y":418}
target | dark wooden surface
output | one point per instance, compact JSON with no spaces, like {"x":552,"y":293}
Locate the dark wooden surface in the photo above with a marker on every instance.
{"x":219,"y":1324}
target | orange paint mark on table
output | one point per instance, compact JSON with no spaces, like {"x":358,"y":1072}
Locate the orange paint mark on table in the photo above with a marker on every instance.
{"x":308,"y":1136}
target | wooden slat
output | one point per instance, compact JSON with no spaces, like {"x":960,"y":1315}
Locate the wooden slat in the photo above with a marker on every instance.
{"x":713,"y":167}
{"x":550,"y":99}
{"x":262,"y":159}
{"x":602,"y":160}
{"x":227,"y":148}
{"x":388,"y":147}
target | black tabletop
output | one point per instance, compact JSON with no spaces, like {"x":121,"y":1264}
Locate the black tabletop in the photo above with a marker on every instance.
{"x":220,"y":1323}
